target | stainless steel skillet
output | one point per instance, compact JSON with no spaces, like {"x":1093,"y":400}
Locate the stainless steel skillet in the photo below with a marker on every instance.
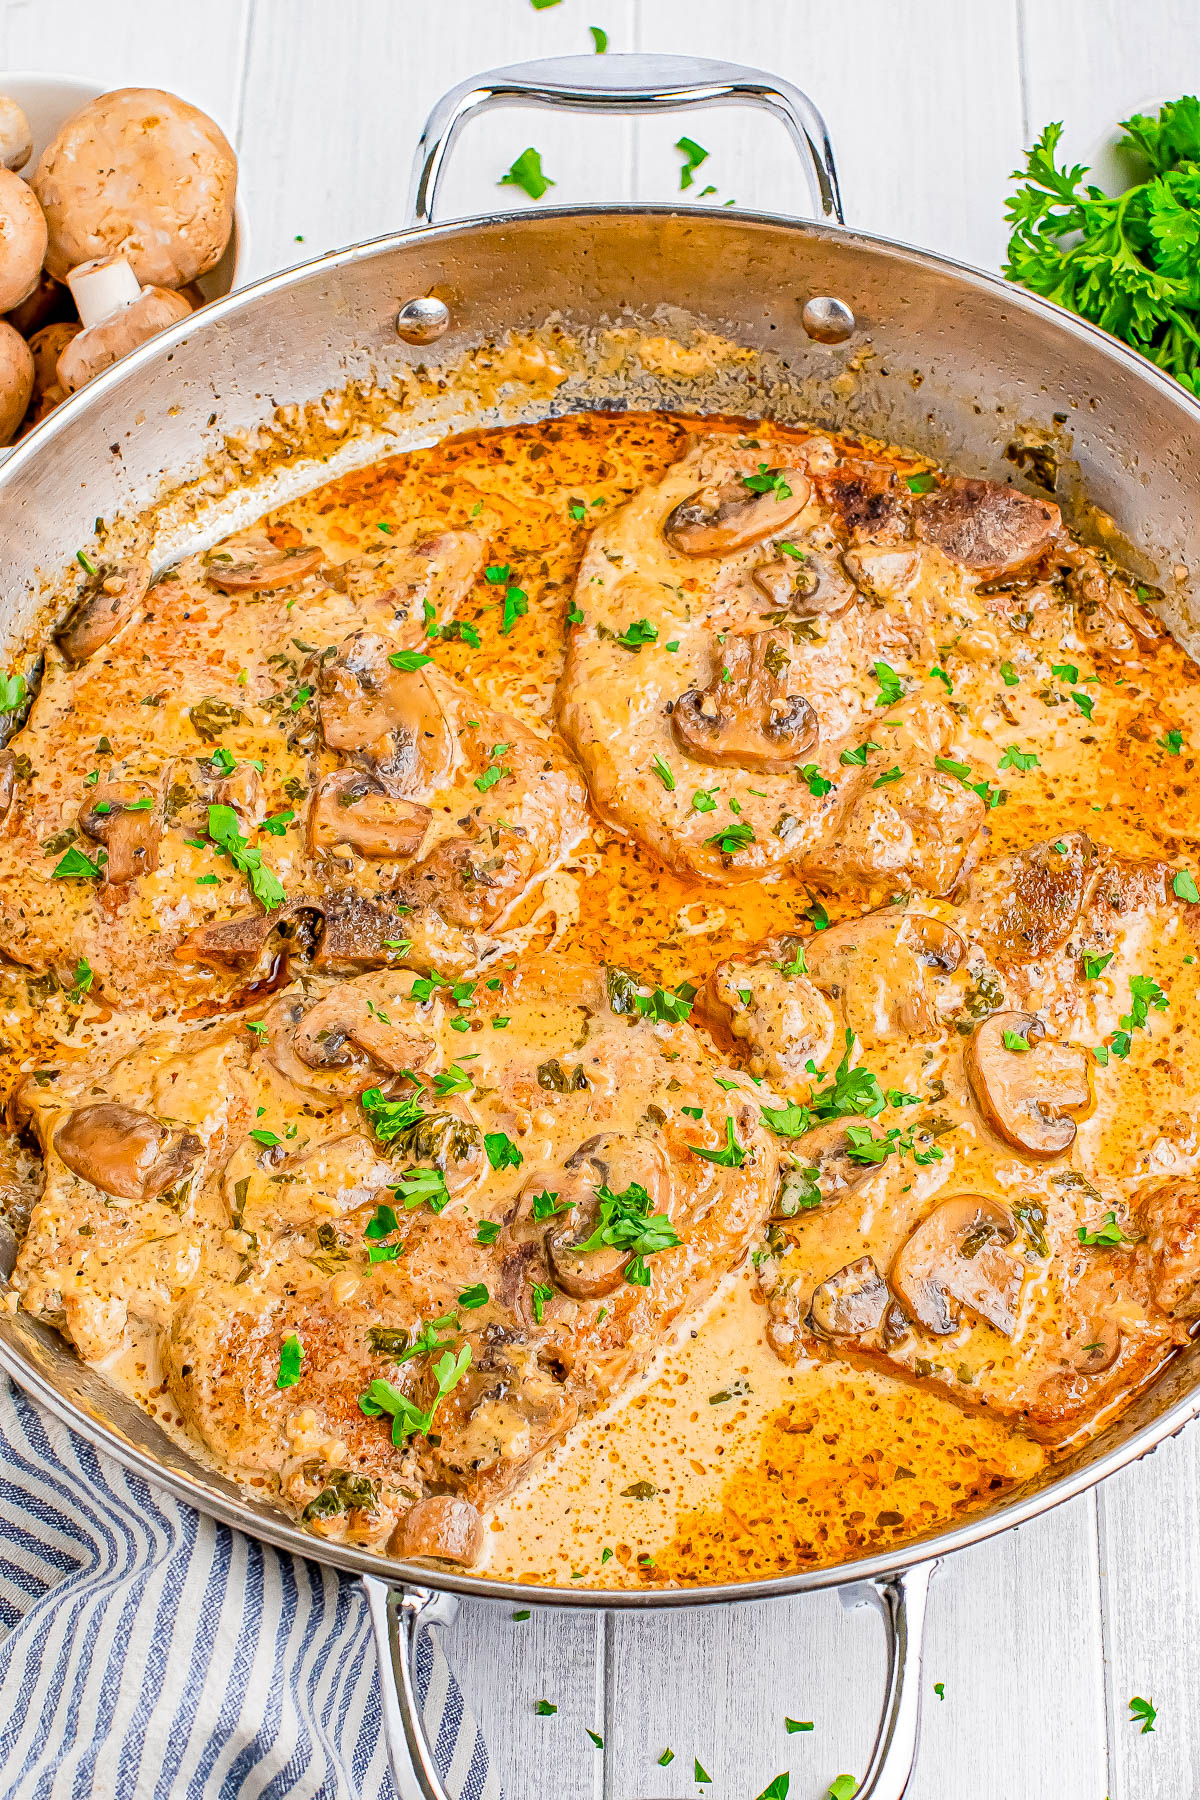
{"x":849,"y":329}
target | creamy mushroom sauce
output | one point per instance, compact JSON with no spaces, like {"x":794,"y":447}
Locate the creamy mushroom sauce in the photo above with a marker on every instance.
{"x":725,"y":1461}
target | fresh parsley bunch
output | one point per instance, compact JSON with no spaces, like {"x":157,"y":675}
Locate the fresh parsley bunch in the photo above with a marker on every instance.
{"x":1129,"y":262}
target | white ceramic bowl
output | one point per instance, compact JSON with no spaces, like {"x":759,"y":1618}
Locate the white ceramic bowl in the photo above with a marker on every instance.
{"x":50,"y":100}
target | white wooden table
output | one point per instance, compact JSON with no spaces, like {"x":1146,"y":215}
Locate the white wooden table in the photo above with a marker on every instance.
{"x":1041,"y":1637}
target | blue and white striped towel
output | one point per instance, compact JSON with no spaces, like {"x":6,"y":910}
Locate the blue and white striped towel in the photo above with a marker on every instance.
{"x":149,"y":1653}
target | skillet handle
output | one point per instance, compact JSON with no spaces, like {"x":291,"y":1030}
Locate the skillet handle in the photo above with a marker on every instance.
{"x":626,"y":84}
{"x":399,"y":1615}
{"x":902,"y":1602}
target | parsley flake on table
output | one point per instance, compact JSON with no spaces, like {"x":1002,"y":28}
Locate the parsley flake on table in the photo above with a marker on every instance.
{"x":939,"y":1688}
{"x":527,"y":173}
{"x":599,"y":38}
{"x":290,"y":1357}
{"x":1143,"y":1713}
{"x":777,"y":1789}
{"x":843,"y":1787}
{"x":595,"y":1737}
{"x":693,"y":155}
{"x":794,"y":1725}
{"x":668,"y":1756}
{"x":700,"y":1774}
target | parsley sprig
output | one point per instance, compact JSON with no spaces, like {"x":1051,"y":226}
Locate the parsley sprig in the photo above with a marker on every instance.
{"x":245,"y":857}
{"x":408,"y":1419}
{"x":625,"y":1222}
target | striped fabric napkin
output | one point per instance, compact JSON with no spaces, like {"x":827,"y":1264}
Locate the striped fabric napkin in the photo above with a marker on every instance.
{"x":149,"y":1653}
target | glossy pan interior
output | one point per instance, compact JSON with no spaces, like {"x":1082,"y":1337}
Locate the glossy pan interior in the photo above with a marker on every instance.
{"x":954,"y":363}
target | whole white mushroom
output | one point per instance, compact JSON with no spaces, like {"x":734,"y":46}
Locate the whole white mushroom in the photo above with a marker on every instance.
{"x":141,"y":174}
{"x":16,"y":139}
{"x":22,"y":240}
{"x":16,"y":381}
{"x":117,"y":315}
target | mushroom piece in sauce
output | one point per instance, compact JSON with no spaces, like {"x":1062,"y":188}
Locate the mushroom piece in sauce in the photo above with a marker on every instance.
{"x":327,"y":1050}
{"x":388,"y":719}
{"x":444,"y":1525}
{"x":350,"y":809}
{"x":880,"y":967}
{"x":851,"y":1302}
{"x":111,"y":598}
{"x":610,"y":1162}
{"x":1025,"y":1084}
{"x":124,"y":1152}
{"x":727,"y":516}
{"x":252,"y":568}
{"x":958,"y":1257}
{"x":745,"y":717}
{"x":124,"y":816}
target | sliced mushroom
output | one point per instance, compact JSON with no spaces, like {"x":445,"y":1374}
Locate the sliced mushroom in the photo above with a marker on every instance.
{"x":328,"y":1050}
{"x":611,"y":1160}
{"x":1027,"y":1096}
{"x":444,"y":1525}
{"x":124,"y":1152}
{"x":745,"y":717}
{"x":727,"y":516}
{"x":823,"y":1159}
{"x":111,"y":598}
{"x":252,"y":568}
{"x":8,"y":781}
{"x":806,"y":581}
{"x":389,"y":720}
{"x":851,"y":1302}
{"x":877,"y":968}
{"x":126,"y":818}
{"x":346,"y":1021}
{"x":958,"y":1257}
{"x":349,"y":809}
{"x":988,"y":528}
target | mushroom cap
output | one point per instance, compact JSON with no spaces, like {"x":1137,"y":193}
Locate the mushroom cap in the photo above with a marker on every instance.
{"x":350,"y":811}
{"x":851,"y":1302}
{"x":22,"y":240}
{"x":882,"y":967}
{"x":125,"y":817}
{"x":958,"y":1257}
{"x":99,"y":346}
{"x":109,"y":600}
{"x":1027,"y":1095}
{"x":611,"y":1160}
{"x":16,"y":139}
{"x":47,"y":346}
{"x":47,"y":303}
{"x":123,"y":1152}
{"x":142,"y":174}
{"x":16,"y":380}
{"x":745,"y":718}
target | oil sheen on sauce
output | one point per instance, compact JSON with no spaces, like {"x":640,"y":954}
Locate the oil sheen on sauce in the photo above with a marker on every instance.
{"x":724,"y":1464}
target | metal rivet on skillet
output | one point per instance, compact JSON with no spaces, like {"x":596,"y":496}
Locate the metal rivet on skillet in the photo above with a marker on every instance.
{"x":422,"y":321}
{"x":828,"y":320}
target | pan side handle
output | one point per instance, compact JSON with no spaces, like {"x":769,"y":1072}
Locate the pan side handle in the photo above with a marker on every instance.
{"x":399,"y":1615}
{"x":626,"y":84}
{"x":902,"y":1601}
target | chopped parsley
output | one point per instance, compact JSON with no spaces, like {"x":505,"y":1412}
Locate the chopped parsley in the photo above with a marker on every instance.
{"x":81,"y":981}
{"x":889,"y":775}
{"x":1018,"y":759}
{"x":245,"y":857}
{"x":12,"y":692}
{"x":1094,"y":966}
{"x":290,"y":1358}
{"x":664,"y":1006}
{"x":473,"y":1297}
{"x":1172,"y":743}
{"x":858,"y":757}
{"x":1107,"y":1235}
{"x":1184,"y":886}
{"x":794,"y":1725}
{"x":700,"y":1774}
{"x":625,"y":1222}
{"x":1009,"y":675}
{"x":641,"y":631}
{"x":1013,"y":1040}
{"x":527,"y":173}
{"x":539,"y":1294}
{"x":777,"y":1789}
{"x":75,"y":866}
{"x":920,"y":484}
{"x":663,"y":771}
{"x":545,"y":1709}
{"x":732,"y":838}
{"x":1145,"y":993}
{"x":502,"y":1153}
{"x":703,"y":800}
{"x":790,"y":1121}
{"x":382,"y":1397}
{"x":730,"y":1156}
{"x":891,"y":688}
{"x":768,"y":481}
{"x":818,"y":786}
{"x":1084,"y":702}
{"x":488,"y":1232}
{"x":409,"y":659}
{"x":693,"y":155}
{"x":937,"y":674}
